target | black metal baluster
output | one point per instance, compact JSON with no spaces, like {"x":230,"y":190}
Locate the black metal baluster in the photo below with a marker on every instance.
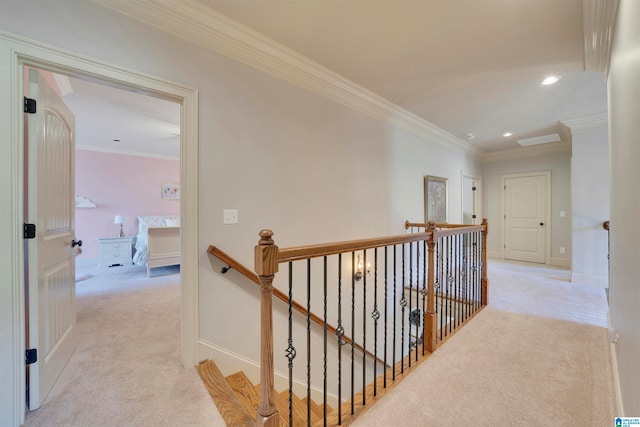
{"x":424,"y":294}
{"x":375,"y":315}
{"x":410,"y":300}
{"x":386,"y":283}
{"x":450,"y":280}
{"x":403,"y":304}
{"x":353,"y":327}
{"x":340,"y":333}
{"x":364,"y":329}
{"x":456,"y":301}
{"x":291,"y":351}
{"x":324,"y":373}
{"x":395,"y":298}
{"x":308,"y":342}
{"x":440,"y":293}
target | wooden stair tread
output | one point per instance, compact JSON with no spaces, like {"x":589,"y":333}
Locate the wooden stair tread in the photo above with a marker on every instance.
{"x":223,"y":395}
{"x":245,"y":391}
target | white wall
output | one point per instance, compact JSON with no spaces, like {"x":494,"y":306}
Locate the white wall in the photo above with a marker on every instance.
{"x":624,"y":128}
{"x":287,"y":159}
{"x":590,"y":206}
{"x":559,"y":165}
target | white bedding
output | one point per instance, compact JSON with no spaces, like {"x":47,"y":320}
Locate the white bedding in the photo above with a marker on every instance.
{"x":142,"y":239}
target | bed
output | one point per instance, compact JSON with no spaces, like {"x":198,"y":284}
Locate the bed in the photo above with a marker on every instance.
{"x":157,"y":241}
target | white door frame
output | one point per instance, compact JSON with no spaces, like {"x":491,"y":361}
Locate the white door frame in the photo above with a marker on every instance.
{"x":547,"y":214}
{"x":15,"y":52}
{"x":477,"y":196}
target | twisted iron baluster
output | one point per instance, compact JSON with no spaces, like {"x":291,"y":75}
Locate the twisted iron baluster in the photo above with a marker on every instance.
{"x":403,"y":304}
{"x":375,"y":315}
{"x":290,"y":352}
{"x":424,"y":293}
{"x":364,"y":329}
{"x":395,"y":298}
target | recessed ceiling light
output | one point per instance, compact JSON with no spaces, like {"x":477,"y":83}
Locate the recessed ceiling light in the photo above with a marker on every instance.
{"x":470,"y":136}
{"x":550,"y":80}
{"x":506,"y":134}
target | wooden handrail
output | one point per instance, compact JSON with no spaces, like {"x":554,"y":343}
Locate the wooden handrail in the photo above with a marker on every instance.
{"x":325,"y":249}
{"x":236,"y":265}
{"x":605,"y":225}
{"x":408,"y":224}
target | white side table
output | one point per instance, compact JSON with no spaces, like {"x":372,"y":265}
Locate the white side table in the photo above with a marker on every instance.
{"x":114,"y":251}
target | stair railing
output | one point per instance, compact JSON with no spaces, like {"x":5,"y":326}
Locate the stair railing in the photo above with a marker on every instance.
{"x":232,"y":263}
{"x":427,"y":285}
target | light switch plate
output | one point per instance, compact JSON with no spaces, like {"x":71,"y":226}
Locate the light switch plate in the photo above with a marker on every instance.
{"x":230,"y":216}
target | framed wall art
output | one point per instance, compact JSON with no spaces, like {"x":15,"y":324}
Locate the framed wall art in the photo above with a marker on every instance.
{"x":435,"y":199}
{"x":170,"y":191}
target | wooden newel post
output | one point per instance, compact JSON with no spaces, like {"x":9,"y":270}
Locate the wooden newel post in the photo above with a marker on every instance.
{"x":485,"y":280}
{"x":431,"y":320}
{"x":266,"y":266}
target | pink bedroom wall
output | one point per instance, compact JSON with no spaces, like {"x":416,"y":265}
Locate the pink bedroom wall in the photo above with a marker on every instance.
{"x":120,"y":185}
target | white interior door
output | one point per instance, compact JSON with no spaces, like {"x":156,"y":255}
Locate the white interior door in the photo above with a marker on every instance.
{"x":525,"y":205}
{"x":51,"y":259}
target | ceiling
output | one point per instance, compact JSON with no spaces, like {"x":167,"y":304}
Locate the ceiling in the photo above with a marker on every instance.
{"x":467,"y":66}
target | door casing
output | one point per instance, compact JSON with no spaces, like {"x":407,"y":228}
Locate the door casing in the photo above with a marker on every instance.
{"x":17,"y":52}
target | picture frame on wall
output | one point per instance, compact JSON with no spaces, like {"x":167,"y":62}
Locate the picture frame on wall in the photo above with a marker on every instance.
{"x":435,"y":199}
{"x":170,"y":191}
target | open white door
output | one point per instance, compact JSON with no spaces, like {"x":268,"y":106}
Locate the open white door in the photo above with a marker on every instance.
{"x":526,"y":204}
{"x":51,"y":260}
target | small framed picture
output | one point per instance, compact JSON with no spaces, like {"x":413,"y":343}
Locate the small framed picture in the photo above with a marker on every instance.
{"x":170,"y":191}
{"x":435,"y":199}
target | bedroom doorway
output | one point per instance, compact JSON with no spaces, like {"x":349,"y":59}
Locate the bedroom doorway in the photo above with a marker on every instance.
{"x":155,"y":114}
{"x":106,"y":222}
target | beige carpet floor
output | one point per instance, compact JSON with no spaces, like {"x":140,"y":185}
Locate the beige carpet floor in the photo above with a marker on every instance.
{"x":126,"y":369}
{"x":506,"y":368}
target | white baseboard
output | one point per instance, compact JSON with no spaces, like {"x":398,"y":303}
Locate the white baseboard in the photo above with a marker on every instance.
{"x":589,"y":280}
{"x":561,"y":262}
{"x":495,"y":254}
{"x":229,"y":362}
{"x":616,"y":374}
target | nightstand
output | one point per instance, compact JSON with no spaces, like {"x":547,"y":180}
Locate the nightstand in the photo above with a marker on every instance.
{"x":114,"y":251}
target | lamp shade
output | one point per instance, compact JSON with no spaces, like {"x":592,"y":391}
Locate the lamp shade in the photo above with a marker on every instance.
{"x":119,"y":219}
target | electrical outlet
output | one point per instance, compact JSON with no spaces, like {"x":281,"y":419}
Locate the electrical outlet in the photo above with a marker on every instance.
{"x":230,"y":216}
{"x":562,"y":250}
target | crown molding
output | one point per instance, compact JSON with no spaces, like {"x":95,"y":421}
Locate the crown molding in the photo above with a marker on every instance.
{"x":108,"y":150}
{"x":523,"y":152}
{"x":586,"y":124}
{"x":599,"y":18}
{"x":202,"y":25}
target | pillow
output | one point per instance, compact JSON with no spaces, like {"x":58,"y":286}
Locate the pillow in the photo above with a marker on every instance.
{"x":172,"y":222}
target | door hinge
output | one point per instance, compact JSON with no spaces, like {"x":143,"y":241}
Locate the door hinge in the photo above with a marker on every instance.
{"x":31,"y":356}
{"x":29,"y":105}
{"x":473,"y":188}
{"x":29,"y":231}
{"x":473,"y":217}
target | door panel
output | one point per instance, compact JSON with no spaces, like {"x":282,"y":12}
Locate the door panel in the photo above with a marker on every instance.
{"x":51,"y":257}
{"x":525,"y":212}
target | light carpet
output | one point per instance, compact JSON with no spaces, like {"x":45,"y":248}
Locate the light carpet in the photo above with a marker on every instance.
{"x":126,"y":369}
{"x":517,"y":363}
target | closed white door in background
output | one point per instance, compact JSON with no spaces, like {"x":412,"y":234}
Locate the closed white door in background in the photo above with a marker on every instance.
{"x":525,"y":204}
